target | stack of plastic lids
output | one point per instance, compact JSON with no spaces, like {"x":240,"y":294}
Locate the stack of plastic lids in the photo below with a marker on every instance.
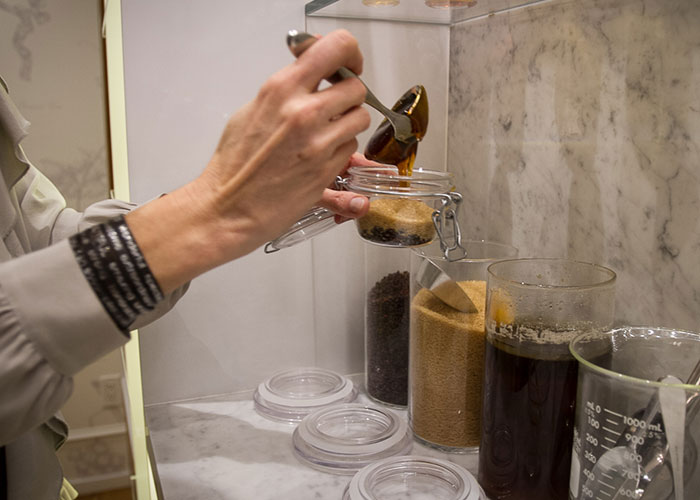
{"x":414,"y":477}
{"x":290,"y":395}
{"x":343,"y":439}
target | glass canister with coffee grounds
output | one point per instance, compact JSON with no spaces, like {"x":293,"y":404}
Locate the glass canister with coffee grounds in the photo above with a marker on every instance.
{"x":387,"y":303}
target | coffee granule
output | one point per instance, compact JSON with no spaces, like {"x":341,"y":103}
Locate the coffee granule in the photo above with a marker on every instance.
{"x":447,"y":366}
{"x":387,"y":324}
{"x":397,"y":222}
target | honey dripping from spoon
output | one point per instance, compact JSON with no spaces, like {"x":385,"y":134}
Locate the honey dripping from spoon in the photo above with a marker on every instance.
{"x":383,"y":147}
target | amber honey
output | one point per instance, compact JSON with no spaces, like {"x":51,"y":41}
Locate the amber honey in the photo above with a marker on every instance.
{"x":383,"y":147}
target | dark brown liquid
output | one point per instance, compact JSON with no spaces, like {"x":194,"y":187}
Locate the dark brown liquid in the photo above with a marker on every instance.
{"x":527,"y":423}
{"x":383,"y":146}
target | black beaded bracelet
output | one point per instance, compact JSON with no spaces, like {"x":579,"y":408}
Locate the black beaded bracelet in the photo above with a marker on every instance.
{"x":114,"y":266}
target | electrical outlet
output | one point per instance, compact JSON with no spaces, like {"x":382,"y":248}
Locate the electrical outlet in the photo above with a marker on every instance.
{"x":111,"y":390}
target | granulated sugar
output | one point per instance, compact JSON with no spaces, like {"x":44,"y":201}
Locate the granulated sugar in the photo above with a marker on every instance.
{"x":400,"y":222}
{"x":446,"y":368}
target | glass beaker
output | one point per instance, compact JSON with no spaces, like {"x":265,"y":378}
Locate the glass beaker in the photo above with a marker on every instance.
{"x":636,"y":430}
{"x":534,"y":308}
{"x":446,"y":348}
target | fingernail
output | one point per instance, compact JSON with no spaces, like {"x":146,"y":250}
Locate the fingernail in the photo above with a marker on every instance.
{"x":357,"y":204}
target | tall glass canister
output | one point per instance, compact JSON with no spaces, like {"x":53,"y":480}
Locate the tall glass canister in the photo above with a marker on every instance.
{"x":387,"y":302}
{"x":534,"y":309}
{"x":446,"y":359}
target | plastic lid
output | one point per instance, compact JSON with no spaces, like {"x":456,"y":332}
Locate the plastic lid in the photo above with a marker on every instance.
{"x":315,"y":221}
{"x":291,"y":395}
{"x":344,"y":438}
{"x":413,"y":477}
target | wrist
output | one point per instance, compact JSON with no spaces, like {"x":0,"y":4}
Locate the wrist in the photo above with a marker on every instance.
{"x":183,"y":234}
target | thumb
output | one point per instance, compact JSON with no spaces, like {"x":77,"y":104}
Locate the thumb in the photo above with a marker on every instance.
{"x":345,"y":204}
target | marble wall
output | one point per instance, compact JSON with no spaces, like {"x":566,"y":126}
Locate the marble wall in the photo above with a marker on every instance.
{"x":574,"y":131}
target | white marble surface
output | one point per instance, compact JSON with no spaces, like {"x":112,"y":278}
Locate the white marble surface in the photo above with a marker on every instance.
{"x":219,"y":448}
{"x":574,"y":131}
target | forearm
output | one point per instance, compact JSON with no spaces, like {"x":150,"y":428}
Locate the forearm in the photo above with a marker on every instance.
{"x":182,"y":235}
{"x":273,"y":161}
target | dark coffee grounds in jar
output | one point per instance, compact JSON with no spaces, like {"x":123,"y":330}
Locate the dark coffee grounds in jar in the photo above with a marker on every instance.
{"x":387,"y":330}
{"x":389,"y":236}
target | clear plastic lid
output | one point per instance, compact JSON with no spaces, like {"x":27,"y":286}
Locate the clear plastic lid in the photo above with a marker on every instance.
{"x":291,"y":395}
{"x":413,"y":477}
{"x":345,"y":438}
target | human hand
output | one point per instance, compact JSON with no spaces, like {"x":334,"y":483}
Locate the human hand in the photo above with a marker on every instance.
{"x":345,"y":204}
{"x":295,"y":138}
{"x":273,"y":161}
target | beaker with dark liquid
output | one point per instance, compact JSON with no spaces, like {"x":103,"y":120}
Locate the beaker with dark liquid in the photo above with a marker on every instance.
{"x":534,"y":308}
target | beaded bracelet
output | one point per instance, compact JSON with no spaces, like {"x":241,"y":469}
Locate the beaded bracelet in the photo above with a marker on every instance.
{"x":113,"y":264}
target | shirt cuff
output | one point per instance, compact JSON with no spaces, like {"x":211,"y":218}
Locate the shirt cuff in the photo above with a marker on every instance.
{"x":58,"y":309}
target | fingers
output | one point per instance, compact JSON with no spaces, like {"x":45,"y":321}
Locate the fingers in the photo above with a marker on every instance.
{"x":337,"y":99}
{"x":337,"y":48}
{"x":359,"y":160}
{"x":344,"y":129}
{"x":345,"y":204}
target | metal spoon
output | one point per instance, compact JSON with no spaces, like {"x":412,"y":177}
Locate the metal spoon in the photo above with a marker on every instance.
{"x":430,"y":276}
{"x":298,"y":42}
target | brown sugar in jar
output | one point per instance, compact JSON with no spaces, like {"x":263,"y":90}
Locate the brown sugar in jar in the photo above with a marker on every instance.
{"x":398,"y":221}
{"x":446,"y":369}
{"x":401,"y":208}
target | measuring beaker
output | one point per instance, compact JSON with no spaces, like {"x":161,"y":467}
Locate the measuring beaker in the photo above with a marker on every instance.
{"x":636,"y":428}
{"x":534,"y":308}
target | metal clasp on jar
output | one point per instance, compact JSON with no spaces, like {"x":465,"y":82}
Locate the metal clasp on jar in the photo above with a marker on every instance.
{"x":447,"y":227}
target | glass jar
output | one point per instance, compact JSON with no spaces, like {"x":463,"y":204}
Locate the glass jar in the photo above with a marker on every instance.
{"x":387,"y":302}
{"x":414,"y":477}
{"x":401,"y":208}
{"x":405,"y":211}
{"x":446,"y":359}
{"x":534,"y":309}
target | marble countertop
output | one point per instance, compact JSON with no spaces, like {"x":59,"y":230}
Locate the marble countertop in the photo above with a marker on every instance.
{"x":218,"y":448}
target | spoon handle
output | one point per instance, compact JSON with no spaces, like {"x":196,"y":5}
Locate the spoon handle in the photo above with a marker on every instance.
{"x":298,"y":42}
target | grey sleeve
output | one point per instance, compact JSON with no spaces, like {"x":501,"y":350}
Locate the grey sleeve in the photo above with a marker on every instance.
{"x":52,"y":325}
{"x":50,"y":328}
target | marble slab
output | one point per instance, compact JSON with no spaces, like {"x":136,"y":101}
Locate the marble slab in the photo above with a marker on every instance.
{"x":220,"y":448}
{"x":574,"y":131}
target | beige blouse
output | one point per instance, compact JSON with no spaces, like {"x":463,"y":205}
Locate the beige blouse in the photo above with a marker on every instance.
{"x":51,"y":323}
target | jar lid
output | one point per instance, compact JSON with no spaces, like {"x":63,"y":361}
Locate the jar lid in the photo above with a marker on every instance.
{"x":414,"y":477}
{"x":315,"y":221}
{"x":291,"y":395}
{"x":345,"y":438}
